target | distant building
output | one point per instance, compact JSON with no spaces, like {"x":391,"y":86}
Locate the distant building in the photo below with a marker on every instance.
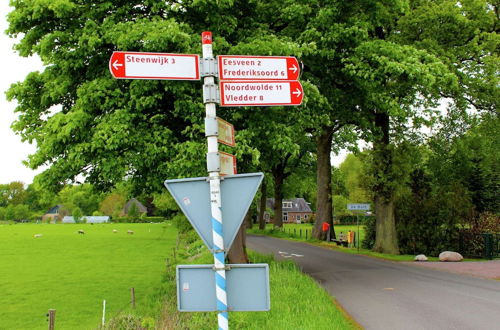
{"x":295,"y":210}
{"x":142,"y":209}
{"x":53,"y":215}
{"x":90,"y":219}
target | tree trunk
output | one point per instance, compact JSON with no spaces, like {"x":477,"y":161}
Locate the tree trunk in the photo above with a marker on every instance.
{"x":278,"y":197}
{"x":237,"y":253}
{"x":263,"y":199}
{"x":324,"y":185}
{"x":386,"y":239}
{"x":248,"y":217}
{"x":386,"y":236}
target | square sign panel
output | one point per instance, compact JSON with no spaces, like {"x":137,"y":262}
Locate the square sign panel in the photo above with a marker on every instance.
{"x":247,"y":287}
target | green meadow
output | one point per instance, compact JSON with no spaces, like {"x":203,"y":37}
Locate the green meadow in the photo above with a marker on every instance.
{"x":298,"y":231}
{"x":74,"y":273}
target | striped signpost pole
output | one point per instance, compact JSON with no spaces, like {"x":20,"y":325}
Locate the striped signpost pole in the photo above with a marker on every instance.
{"x":213,"y":166}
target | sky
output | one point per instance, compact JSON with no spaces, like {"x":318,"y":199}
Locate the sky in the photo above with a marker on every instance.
{"x":14,"y":68}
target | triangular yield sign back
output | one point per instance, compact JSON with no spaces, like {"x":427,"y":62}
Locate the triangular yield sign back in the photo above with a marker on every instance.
{"x":193,"y":197}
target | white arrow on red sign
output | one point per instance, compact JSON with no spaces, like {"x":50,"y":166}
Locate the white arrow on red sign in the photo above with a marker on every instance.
{"x":239,"y":67}
{"x":261,"y":93}
{"x":134,"y":65}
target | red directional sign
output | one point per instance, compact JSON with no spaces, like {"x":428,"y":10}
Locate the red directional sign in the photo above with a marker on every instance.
{"x":261,"y":93}
{"x":134,"y":65}
{"x":239,"y":67}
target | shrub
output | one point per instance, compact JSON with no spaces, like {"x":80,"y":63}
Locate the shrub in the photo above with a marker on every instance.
{"x":181,"y":223}
{"x":369,"y":240}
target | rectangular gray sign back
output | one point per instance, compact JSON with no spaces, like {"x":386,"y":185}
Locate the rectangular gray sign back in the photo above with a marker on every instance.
{"x":247,"y":287}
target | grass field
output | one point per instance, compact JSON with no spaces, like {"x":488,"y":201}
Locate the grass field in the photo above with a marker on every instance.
{"x":295,"y":230}
{"x":73,"y":273}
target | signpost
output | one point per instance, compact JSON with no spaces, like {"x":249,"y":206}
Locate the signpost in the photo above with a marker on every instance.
{"x":243,"y":81}
{"x":134,"y":65}
{"x":239,"y":67}
{"x":358,"y":207}
{"x":261,"y":93}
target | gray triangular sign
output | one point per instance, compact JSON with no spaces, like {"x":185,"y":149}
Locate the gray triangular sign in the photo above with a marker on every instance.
{"x":193,"y":197}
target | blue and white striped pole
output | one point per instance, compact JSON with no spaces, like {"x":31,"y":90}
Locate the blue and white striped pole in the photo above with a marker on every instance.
{"x":215,"y":196}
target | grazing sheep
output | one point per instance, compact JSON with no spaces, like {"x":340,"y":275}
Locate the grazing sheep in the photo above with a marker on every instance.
{"x":81,"y":231}
{"x":131,"y":232}
{"x":115,"y":231}
{"x":37,"y":235}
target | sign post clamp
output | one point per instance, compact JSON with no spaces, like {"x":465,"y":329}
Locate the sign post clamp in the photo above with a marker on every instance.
{"x":209,"y":67}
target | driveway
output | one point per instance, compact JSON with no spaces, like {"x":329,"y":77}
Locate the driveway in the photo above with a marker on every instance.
{"x":381,"y":294}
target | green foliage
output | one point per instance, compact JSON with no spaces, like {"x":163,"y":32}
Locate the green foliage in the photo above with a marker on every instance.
{"x":77,"y":214}
{"x":181,"y":223}
{"x":112,"y":204}
{"x":165,"y":204}
{"x":370,"y":232}
{"x":12,"y":193}
{"x":133,"y":212}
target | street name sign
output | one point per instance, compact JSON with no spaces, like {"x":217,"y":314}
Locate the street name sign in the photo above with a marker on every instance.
{"x":358,"y":207}
{"x":226,"y":132}
{"x":193,"y":197}
{"x":240,"y":67}
{"x":262,"y":93}
{"x":227,"y":163}
{"x":155,"y":66}
{"x":247,"y":287}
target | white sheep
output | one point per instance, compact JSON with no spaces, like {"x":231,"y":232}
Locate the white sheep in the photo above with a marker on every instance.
{"x":37,"y":235}
{"x":131,"y":232}
{"x":115,"y":231}
{"x":81,"y":231}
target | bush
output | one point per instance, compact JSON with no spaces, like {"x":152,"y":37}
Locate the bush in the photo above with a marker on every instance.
{"x":370,"y":227}
{"x":181,"y":223}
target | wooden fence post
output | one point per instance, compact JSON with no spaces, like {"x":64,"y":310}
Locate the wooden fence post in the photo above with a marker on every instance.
{"x":52,"y":318}
{"x":132,"y":297}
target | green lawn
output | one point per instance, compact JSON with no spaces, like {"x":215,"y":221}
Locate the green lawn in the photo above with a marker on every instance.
{"x":73,"y":273}
{"x":295,"y":229}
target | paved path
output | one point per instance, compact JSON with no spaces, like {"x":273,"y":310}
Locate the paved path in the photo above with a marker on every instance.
{"x":388,"y":295}
{"x":487,"y":269}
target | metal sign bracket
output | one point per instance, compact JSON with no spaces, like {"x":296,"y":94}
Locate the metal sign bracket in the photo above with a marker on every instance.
{"x":209,"y":67}
{"x":211,"y":93}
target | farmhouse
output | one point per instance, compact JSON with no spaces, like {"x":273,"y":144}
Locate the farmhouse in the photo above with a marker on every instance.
{"x":53,"y":215}
{"x":90,"y":219}
{"x":295,"y":210}
{"x":140,"y":207}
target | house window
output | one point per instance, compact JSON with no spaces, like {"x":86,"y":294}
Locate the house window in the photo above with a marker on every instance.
{"x":287,"y":205}
{"x":305,"y":216}
{"x":285,"y":216}
{"x":297,"y":217}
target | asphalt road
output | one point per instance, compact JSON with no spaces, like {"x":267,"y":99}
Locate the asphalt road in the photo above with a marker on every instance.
{"x":385,"y":295}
